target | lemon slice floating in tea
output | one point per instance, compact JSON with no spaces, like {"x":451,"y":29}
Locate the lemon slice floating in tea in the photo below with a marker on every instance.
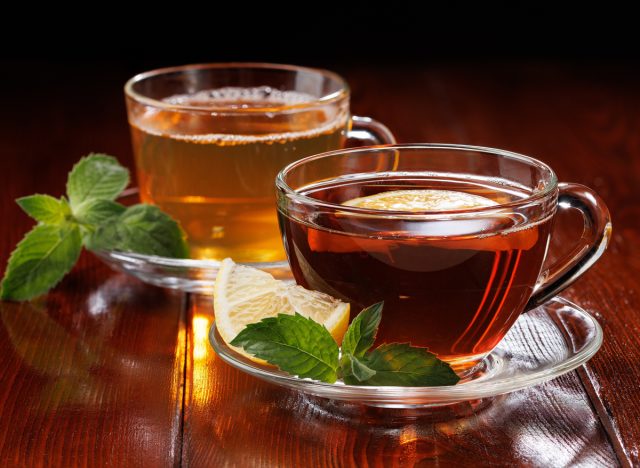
{"x":436,"y":200}
{"x":421,"y":200}
{"x":244,"y":295}
{"x":397,"y":200}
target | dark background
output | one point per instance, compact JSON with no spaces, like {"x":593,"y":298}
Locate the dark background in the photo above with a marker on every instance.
{"x":62,"y":69}
{"x":321,"y":33}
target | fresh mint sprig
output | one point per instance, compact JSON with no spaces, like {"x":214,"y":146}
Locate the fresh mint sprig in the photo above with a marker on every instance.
{"x":403,"y":365}
{"x":303,"y":347}
{"x":295,"y":344}
{"x":88,"y":216}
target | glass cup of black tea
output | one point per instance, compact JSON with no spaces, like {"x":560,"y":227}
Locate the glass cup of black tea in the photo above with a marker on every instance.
{"x":452,"y":238}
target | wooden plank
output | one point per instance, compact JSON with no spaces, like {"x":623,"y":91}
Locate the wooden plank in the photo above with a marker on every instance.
{"x":92,"y":374}
{"x":583,"y":121}
{"x":553,"y":424}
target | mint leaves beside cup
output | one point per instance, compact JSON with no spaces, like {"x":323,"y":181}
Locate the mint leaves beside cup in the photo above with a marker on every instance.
{"x":303,"y":347}
{"x":88,"y":216}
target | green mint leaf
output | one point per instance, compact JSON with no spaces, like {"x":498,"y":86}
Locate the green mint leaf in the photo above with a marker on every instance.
{"x":96,"y":176}
{"x":45,"y":208}
{"x":41,"y":260}
{"x":142,"y":229}
{"x":89,"y":217}
{"x":296,"y":344}
{"x":355,"y":371}
{"x":402,"y":365}
{"x":95,"y":212}
{"x":362,"y":332}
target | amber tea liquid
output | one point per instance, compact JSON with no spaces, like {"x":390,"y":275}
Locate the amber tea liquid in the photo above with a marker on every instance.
{"x":444,"y":288}
{"x":215,"y":175}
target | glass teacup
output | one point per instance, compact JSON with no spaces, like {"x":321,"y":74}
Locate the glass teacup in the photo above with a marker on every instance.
{"x":209,"y":139}
{"x":454,"y":277}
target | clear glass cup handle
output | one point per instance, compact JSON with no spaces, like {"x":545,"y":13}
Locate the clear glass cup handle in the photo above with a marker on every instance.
{"x":369,"y":131}
{"x":592,"y":244}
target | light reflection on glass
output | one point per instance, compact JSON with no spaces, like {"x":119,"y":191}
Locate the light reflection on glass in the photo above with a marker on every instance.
{"x":201,"y":355}
{"x":200,"y":338}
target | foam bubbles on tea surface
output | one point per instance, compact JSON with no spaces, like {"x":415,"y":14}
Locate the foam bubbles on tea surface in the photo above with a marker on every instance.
{"x":240,"y":98}
{"x":221,"y":126}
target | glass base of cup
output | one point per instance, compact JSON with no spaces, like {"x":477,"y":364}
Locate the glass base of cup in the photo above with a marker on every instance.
{"x":467,"y":365}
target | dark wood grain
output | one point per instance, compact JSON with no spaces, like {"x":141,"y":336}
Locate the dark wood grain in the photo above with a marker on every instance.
{"x":584,"y":122}
{"x":92,"y":374}
{"x":557,"y":113}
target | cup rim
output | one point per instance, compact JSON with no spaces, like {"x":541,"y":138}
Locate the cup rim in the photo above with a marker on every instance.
{"x":342,"y":93}
{"x":551,"y":182}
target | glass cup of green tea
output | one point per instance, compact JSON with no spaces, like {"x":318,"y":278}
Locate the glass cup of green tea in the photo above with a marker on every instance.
{"x":209,"y":139}
{"x":452,"y":238}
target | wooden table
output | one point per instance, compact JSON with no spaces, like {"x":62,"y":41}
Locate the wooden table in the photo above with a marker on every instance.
{"x":106,"y":370}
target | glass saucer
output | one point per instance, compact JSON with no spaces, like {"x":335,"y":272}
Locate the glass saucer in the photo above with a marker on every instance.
{"x":186,"y":274}
{"x":543,"y":344}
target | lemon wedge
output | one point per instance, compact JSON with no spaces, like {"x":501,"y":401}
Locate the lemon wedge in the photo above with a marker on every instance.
{"x":244,"y":295}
